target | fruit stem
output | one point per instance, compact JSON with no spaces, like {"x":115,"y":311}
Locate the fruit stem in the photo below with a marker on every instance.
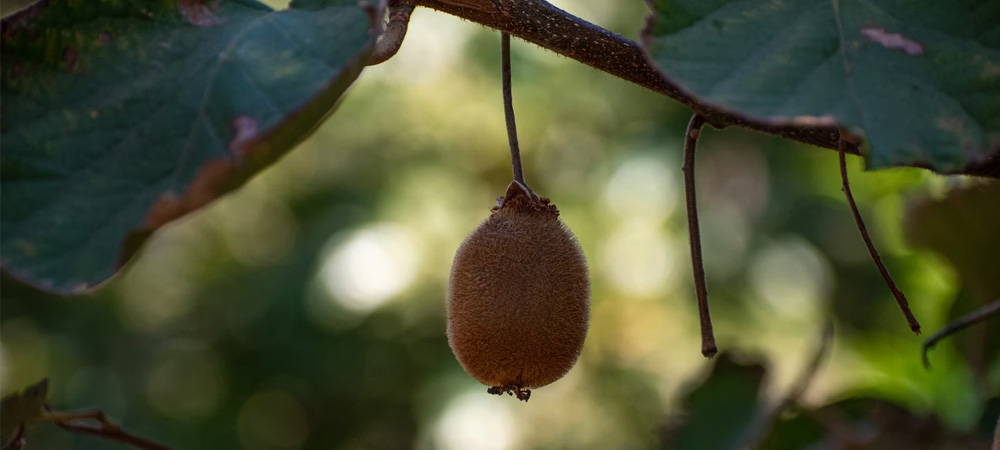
{"x":965,"y":321}
{"x":900,"y":298}
{"x":508,"y":109}
{"x":708,"y":347}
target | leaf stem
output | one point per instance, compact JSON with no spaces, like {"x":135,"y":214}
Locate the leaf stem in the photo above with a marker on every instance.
{"x":508,"y":109}
{"x":708,"y":347}
{"x":959,"y":324}
{"x":900,"y":298}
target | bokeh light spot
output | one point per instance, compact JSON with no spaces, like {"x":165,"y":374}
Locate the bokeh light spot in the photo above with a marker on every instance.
{"x":186,"y":383}
{"x":370,"y":266}
{"x":792,"y":277}
{"x":273,"y":419}
{"x":476,"y":421}
{"x":256,"y":226}
{"x":151,"y":302}
{"x":638,"y":259}
{"x":641,"y":187}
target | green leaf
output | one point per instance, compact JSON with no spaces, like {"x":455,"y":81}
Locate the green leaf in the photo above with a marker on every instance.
{"x":920,"y":80}
{"x":719,"y":414}
{"x":119,"y":117}
{"x":22,"y":407}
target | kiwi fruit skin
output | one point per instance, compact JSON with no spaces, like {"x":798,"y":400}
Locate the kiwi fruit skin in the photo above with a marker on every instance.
{"x":519,"y":296}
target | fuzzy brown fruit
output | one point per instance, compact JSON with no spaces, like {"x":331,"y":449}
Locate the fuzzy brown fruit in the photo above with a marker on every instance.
{"x":519,"y":296}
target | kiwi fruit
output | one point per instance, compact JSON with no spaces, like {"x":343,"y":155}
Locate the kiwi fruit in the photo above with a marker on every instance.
{"x":518,"y":296}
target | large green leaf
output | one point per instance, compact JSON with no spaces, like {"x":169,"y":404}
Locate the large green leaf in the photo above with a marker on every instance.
{"x":919,"y":79}
{"x":120,"y":116}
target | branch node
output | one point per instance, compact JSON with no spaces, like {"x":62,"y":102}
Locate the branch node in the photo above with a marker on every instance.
{"x":395,"y":31}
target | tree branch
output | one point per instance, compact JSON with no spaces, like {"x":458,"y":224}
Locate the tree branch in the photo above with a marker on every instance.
{"x":542,"y":24}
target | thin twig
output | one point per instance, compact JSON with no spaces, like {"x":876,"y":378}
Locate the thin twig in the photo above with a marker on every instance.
{"x":118,"y":435}
{"x":765,"y":425}
{"x":959,"y":324}
{"x":508,"y":109}
{"x":16,"y":441}
{"x":89,"y":414}
{"x":392,"y":38}
{"x":900,"y":298}
{"x":106,"y":428}
{"x":996,"y":436}
{"x":708,"y":347}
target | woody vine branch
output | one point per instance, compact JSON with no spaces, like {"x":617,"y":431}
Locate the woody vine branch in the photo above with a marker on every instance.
{"x":542,"y":24}
{"x":547,"y":26}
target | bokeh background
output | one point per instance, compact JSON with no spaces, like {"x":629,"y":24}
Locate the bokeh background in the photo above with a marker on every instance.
{"x":307,"y":309}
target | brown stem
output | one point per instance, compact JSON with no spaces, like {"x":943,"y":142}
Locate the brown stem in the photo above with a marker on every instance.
{"x":959,"y":324}
{"x":106,"y":428}
{"x":89,"y":414}
{"x":708,"y":347}
{"x":508,"y":110}
{"x":900,"y":298}
{"x":16,"y":441}
{"x":543,"y":24}
{"x":996,"y":436}
{"x":118,"y":435}
{"x":392,"y":38}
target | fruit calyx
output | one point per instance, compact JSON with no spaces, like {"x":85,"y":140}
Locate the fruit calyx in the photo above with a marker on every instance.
{"x":521,"y":197}
{"x":522,"y":394}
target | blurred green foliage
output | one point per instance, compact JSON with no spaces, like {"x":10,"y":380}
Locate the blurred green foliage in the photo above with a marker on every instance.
{"x":306,"y":310}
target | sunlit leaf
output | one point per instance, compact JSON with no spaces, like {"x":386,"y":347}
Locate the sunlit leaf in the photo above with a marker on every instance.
{"x":119,"y":117}
{"x":920,"y":80}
